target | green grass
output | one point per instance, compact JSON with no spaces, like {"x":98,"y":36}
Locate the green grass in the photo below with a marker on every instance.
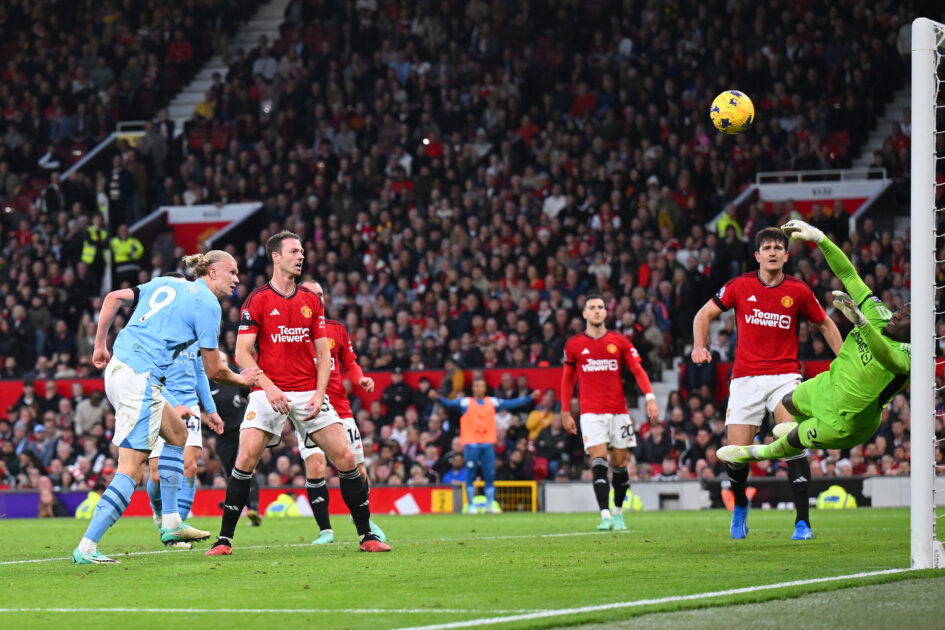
{"x":451,"y":568}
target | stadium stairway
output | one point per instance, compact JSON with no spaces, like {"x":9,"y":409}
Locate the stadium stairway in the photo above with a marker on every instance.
{"x":266,"y":22}
{"x":661,"y":388}
{"x":902,"y":99}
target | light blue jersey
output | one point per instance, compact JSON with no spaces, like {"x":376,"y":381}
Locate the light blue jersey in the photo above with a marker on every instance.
{"x":186,"y":379}
{"x":171,"y":314}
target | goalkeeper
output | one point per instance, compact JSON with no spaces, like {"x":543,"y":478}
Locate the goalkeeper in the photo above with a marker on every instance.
{"x":841,"y":407}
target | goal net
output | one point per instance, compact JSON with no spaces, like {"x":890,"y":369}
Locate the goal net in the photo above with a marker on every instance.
{"x":928,"y":258}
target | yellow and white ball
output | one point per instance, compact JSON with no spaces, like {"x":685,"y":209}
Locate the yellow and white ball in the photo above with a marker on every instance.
{"x":732,"y":112}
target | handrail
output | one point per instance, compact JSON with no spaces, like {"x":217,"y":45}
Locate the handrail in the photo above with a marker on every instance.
{"x":830,"y":174}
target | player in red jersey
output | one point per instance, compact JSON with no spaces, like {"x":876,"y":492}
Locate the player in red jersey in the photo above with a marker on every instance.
{"x":767,"y":304}
{"x":281,"y":322}
{"x":343,"y":361}
{"x":594,"y":357}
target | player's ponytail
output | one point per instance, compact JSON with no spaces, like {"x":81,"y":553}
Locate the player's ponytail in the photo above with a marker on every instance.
{"x":198,"y":265}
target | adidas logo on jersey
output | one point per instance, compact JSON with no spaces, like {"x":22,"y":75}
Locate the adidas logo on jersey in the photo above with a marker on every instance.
{"x":586,"y":351}
{"x":318,"y":500}
{"x":275,"y":311}
{"x":752,"y":299}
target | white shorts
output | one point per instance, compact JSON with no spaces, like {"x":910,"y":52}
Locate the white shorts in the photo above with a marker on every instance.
{"x":613,"y":429}
{"x":194,"y":436}
{"x":260,"y":415}
{"x":138,"y":404}
{"x":750,"y":396}
{"x":354,"y":439}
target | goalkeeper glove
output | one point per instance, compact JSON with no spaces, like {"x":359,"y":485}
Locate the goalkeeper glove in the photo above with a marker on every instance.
{"x":848,"y":307}
{"x":802,"y":231}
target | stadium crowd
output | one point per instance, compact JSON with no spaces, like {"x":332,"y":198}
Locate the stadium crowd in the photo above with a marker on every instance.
{"x":462,"y":173}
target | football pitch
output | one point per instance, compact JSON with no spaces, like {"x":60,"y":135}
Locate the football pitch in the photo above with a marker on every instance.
{"x":669,"y":570}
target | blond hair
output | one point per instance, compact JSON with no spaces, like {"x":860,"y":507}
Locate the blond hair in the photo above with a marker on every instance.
{"x":198,"y":265}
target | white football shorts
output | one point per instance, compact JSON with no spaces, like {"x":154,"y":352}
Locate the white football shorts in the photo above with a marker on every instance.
{"x":260,"y":415}
{"x":750,"y":396}
{"x":194,"y":435}
{"x":613,"y":429}
{"x":138,"y":404}
{"x":354,"y":439}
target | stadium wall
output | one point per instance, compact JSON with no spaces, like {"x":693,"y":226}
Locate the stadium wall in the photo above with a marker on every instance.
{"x":384,"y":500}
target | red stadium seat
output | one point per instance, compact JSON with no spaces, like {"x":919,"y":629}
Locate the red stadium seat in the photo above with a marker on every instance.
{"x":197,"y":137}
{"x":540,"y":467}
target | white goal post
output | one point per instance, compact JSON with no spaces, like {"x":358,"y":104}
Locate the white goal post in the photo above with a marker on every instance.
{"x":927,"y":39}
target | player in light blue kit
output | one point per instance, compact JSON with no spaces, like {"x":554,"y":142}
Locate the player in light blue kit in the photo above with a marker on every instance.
{"x":169,"y":315}
{"x":186,"y":380}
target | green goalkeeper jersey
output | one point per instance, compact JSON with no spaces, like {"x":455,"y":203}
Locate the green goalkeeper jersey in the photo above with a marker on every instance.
{"x":870,"y":367}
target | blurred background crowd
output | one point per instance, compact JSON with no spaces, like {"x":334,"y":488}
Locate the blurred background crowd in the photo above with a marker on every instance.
{"x":462,"y":173}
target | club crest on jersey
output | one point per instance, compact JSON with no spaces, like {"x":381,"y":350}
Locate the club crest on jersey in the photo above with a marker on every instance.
{"x":611,"y":348}
{"x":331,"y":343}
{"x":251,"y":415}
{"x":787,"y":301}
{"x":306,"y":312}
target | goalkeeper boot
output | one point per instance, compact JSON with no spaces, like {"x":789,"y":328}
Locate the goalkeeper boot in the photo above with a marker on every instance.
{"x":183,"y":532}
{"x":802,"y":531}
{"x":370,"y":543}
{"x":733,"y":454}
{"x":221,"y":547}
{"x":606,"y":524}
{"x":739,"y":522}
{"x":96,"y":557}
{"x":782,"y":429}
{"x":619,"y":524}
{"x":325,"y":537}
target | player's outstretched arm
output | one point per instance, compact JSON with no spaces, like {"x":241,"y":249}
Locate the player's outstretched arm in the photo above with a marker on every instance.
{"x":244,"y":358}
{"x":322,"y":375}
{"x":838,"y":261}
{"x":567,"y":390}
{"x":203,"y":386}
{"x":218,"y":371}
{"x":700,"y":331}
{"x":110,"y":306}
{"x":895,"y":362}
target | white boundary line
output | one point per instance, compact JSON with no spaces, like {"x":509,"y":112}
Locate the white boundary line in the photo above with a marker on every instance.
{"x":429,"y":540}
{"x":517,"y":615}
{"x":646,"y":602}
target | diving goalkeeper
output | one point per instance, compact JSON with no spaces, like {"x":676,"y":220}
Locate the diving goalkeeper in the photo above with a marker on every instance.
{"x":841,"y":407}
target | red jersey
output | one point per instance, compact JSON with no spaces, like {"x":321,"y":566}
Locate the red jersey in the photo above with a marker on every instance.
{"x":285,"y":327}
{"x":766,"y":317}
{"x":597,"y":363}
{"x":341,"y":354}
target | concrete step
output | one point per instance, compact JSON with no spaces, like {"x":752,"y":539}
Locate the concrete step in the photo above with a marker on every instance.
{"x":178,"y":112}
{"x":188,"y":97}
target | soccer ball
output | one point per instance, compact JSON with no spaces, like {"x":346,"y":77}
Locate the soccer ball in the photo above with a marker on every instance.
{"x":732,"y":112}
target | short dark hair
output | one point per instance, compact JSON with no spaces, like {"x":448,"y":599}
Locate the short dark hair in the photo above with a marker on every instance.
{"x":770,"y":234}
{"x":594,"y":295}
{"x":172,"y":274}
{"x":274,"y":244}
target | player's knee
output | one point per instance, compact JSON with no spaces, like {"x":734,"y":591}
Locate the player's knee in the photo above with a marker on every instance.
{"x":788,"y":402}
{"x":345,"y":461}
{"x":190,"y":468}
{"x":177,"y":435}
{"x":153,"y":471}
{"x":314,"y":467}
